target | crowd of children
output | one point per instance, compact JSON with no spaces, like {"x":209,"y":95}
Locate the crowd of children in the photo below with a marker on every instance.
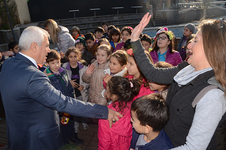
{"x":100,"y":67}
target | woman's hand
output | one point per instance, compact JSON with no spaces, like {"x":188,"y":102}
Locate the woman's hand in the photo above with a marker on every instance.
{"x":107,"y":77}
{"x":90,"y":69}
{"x":140,"y":27}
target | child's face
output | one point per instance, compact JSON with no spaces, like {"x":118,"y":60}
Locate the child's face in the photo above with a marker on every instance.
{"x":16,"y":49}
{"x":187,"y":32}
{"x":74,"y":33}
{"x":115,"y":66}
{"x":136,"y":123}
{"x":73,"y":58}
{"x":105,"y":28}
{"x":54,"y":65}
{"x":79,"y":46}
{"x":98,"y":34}
{"x":156,"y":87}
{"x":102,"y":56}
{"x":132,"y":67}
{"x":125,"y":36}
{"x":146,"y":45}
{"x":163,"y":41}
{"x":115,"y":38}
{"x":89,"y":43}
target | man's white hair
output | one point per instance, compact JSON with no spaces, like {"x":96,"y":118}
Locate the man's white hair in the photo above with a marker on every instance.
{"x":32,"y":34}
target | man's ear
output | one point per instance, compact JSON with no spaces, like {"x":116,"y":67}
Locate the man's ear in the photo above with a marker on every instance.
{"x":34,"y":47}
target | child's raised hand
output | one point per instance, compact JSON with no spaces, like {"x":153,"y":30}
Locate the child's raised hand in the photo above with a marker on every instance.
{"x":107,"y":77}
{"x":90,"y":69}
{"x":140,"y":27}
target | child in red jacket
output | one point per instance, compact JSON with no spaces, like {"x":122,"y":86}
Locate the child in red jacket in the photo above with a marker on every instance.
{"x":121,"y":92}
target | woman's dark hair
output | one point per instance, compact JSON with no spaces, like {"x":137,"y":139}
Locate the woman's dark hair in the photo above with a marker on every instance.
{"x":115,"y":31}
{"x":171,"y":45}
{"x":124,"y":89}
{"x":151,"y":110}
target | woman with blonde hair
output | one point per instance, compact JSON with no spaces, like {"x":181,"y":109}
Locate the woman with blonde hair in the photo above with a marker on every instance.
{"x":193,"y":124}
{"x":60,"y":35}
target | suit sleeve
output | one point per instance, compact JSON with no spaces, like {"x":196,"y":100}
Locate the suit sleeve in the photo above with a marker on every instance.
{"x":158,"y":75}
{"x":40,"y":90}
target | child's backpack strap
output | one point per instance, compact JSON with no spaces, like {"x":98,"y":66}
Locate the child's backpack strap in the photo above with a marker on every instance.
{"x":202,"y":93}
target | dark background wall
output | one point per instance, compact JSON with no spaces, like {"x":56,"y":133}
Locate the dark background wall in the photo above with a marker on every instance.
{"x":59,"y":9}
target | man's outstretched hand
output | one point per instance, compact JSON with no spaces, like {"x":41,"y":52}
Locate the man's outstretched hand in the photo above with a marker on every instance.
{"x":140,"y":27}
{"x":113,"y":116}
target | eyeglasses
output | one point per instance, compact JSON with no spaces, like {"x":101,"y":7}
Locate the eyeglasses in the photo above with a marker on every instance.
{"x":161,"y":38}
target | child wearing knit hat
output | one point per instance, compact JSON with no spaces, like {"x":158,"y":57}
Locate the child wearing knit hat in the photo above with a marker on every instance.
{"x":188,"y":34}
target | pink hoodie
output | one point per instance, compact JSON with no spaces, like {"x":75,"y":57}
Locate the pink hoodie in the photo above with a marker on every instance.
{"x":119,"y":135}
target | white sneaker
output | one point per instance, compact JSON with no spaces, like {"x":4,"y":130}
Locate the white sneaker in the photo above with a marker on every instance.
{"x":85,"y":126}
{"x":76,"y":125}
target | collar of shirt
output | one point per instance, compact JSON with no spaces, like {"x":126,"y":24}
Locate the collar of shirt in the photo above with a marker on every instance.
{"x":31,"y":59}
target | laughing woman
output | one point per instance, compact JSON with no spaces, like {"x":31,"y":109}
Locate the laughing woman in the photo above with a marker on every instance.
{"x":192,"y":126}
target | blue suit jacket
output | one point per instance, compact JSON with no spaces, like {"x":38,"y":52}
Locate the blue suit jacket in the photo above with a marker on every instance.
{"x":31,"y":104}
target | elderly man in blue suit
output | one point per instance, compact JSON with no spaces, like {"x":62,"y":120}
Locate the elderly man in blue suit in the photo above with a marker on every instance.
{"x":31,"y":103}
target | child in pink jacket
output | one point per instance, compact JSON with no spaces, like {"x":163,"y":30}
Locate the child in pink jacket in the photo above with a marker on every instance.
{"x":121,"y":92}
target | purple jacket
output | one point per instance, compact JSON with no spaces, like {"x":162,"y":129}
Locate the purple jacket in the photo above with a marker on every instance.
{"x":171,"y":58}
{"x":119,"y":46}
